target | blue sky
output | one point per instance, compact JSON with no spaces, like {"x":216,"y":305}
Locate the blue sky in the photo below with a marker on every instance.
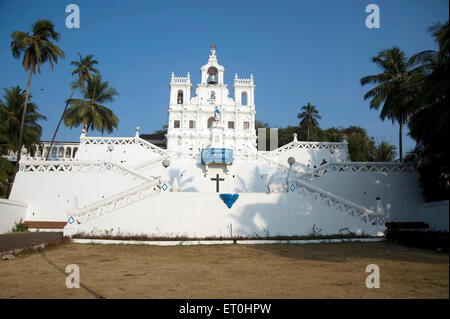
{"x":298,"y":52}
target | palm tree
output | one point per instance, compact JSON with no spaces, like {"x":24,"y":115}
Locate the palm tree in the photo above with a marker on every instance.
{"x":309,"y":116}
{"x":89,"y":111}
{"x":37,"y":49}
{"x":85,"y":70}
{"x":11,"y":113}
{"x":392,"y":90}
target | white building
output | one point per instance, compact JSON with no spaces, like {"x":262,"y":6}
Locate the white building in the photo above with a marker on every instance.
{"x":191,"y":117}
{"x":211,"y":180}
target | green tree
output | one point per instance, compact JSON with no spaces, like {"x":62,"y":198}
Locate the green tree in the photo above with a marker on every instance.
{"x":11,"y":116}
{"x":89,"y":111}
{"x":429,"y":125}
{"x":84,"y":69}
{"x":309,"y":117}
{"x":392,"y":90}
{"x":37,"y":49}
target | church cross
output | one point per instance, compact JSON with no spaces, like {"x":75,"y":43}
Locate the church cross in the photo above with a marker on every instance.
{"x":218,"y":180}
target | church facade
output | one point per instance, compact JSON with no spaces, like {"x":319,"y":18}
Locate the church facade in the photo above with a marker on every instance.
{"x":192,"y":117}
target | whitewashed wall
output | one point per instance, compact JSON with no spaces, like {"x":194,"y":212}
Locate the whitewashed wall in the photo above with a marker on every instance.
{"x":51,"y":193}
{"x":11,"y":212}
{"x":205,"y":214}
{"x":436,"y":214}
{"x":360,"y":183}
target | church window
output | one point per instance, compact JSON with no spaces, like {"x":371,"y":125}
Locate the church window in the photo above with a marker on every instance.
{"x":176,"y":124}
{"x":191,"y":124}
{"x":246,"y":125}
{"x":244,"y":98}
{"x":231,"y":124}
{"x":212,"y":96}
{"x":180,"y":97}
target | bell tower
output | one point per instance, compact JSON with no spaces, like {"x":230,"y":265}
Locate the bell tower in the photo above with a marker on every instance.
{"x":212,"y":73}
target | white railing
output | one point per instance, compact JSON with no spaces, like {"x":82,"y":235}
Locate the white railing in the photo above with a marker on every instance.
{"x":181,"y":80}
{"x":357,"y":167}
{"x":94,"y":140}
{"x":88,"y":140}
{"x":112,"y":203}
{"x":336,"y":202}
{"x":150,"y":163}
{"x":82,"y":166}
{"x":243,"y":81}
{"x":311,"y":145}
{"x":262,"y":156}
{"x":153,"y":147}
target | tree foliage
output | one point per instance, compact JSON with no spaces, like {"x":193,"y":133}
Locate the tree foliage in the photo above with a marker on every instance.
{"x":429,"y":125}
{"x":11,"y":111}
{"x":89,"y":111}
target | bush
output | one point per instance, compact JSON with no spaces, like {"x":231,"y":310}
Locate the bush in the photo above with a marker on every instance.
{"x":436,"y":240}
{"x":19,"y":227}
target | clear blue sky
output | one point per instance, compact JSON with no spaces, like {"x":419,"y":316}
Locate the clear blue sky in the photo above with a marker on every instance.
{"x":298,"y":52}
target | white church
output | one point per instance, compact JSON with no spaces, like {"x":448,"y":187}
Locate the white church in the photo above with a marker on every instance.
{"x":211,"y":181}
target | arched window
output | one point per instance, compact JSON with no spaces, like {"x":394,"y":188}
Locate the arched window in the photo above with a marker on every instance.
{"x":244,"y":98}
{"x":54,"y":151}
{"x":61,"y":152}
{"x":68,"y":152}
{"x":210,"y":121}
{"x":212,"y":95}
{"x":180,"y":97}
{"x":74,"y":152}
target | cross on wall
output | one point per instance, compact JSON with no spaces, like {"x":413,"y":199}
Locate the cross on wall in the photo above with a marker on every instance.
{"x":217,"y":179}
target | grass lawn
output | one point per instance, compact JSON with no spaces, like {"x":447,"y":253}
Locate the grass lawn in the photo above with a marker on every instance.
{"x":228,"y":271}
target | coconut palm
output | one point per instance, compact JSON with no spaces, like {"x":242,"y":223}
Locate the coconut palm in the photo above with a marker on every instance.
{"x":85,"y":69}
{"x":11,"y":113}
{"x":309,"y":117}
{"x":89,"y":111}
{"x":37,"y":49}
{"x":392,"y":91}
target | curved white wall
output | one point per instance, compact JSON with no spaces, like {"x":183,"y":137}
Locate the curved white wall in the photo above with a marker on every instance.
{"x":11,"y":212}
{"x":205,"y":214}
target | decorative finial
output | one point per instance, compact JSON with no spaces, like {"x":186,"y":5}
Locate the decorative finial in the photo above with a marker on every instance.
{"x":251,"y":76}
{"x":213,"y":51}
{"x":235,"y":76}
{"x":173,"y":75}
{"x":295,"y":138}
{"x":189,"y":75}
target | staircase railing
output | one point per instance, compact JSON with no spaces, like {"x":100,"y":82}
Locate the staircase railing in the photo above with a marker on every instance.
{"x":114,"y":202}
{"x":357,"y":167}
{"x":336,"y":202}
{"x":82,"y":166}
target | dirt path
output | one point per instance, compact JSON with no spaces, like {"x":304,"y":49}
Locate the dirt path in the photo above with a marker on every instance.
{"x":13,"y":241}
{"x":228,"y":271}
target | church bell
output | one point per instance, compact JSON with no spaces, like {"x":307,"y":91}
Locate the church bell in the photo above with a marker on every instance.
{"x":212,"y":79}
